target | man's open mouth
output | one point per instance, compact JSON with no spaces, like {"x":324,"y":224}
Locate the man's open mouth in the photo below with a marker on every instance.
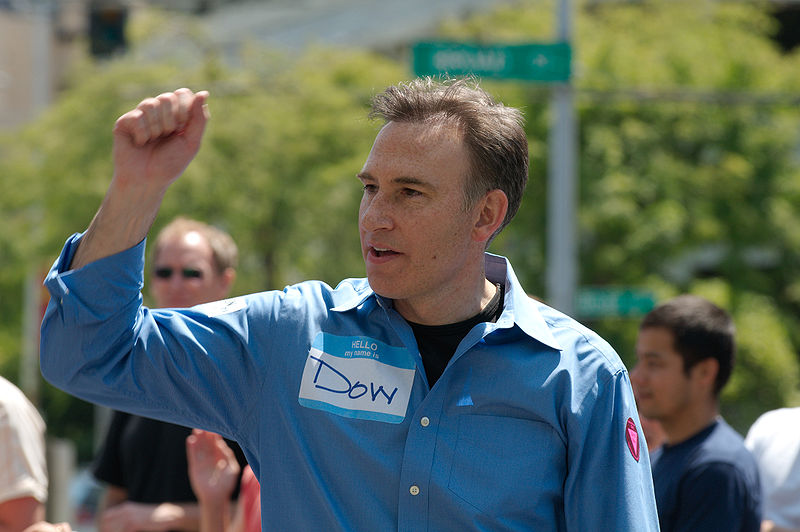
{"x":383,"y":252}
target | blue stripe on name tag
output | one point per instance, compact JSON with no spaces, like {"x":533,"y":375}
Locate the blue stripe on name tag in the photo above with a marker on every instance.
{"x":363,"y":347}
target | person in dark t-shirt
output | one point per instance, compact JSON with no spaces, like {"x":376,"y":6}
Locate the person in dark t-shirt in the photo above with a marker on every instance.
{"x":704,"y":477}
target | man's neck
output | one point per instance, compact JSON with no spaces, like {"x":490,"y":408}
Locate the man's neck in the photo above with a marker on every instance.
{"x":445,"y":310}
{"x":684,"y":427}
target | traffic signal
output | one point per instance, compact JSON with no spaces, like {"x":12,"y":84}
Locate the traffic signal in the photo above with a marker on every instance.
{"x":107,"y":29}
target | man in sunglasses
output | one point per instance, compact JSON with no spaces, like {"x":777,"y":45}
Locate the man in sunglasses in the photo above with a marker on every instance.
{"x":432,"y":395}
{"x":193,"y":263}
{"x":143,"y":461}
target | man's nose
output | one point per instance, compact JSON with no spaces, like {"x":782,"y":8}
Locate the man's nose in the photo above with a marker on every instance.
{"x":376,"y":213}
{"x":176,"y":281}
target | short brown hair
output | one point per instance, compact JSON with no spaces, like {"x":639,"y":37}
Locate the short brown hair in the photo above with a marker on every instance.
{"x":700,"y":330}
{"x":492,"y":132}
{"x":223,"y":249}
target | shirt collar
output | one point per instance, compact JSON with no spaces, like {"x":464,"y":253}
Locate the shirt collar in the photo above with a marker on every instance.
{"x":351,"y":293}
{"x":518,"y":307}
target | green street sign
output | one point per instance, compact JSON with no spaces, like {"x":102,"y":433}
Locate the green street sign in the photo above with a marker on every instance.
{"x":601,"y":302}
{"x":528,"y":62}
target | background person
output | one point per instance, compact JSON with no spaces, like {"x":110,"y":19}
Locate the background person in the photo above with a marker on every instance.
{"x":23,"y":466}
{"x":143,"y":461}
{"x":774,"y":440}
{"x":215,"y":473}
{"x":432,"y":395}
{"x":704,"y":477}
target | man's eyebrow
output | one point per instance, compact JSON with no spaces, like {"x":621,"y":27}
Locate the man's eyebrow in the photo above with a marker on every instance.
{"x":402,"y":180}
{"x":651,"y":355}
{"x":411,"y":181}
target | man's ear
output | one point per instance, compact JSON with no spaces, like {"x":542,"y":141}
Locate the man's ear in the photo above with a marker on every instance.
{"x":228,"y":277}
{"x":706,"y":371}
{"x":492,"y":211}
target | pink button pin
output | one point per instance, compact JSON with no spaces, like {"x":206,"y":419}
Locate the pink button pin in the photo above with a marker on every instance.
{"x":632,"y":437}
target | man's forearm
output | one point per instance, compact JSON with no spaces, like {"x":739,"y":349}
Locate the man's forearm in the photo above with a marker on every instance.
{"x":20,"y":513}
{"x":120,"y":223}
{"x":153,"y":517}
{"x":184,"y":516}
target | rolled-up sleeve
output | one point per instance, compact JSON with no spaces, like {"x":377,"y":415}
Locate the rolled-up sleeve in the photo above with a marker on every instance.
{"x":90,"y":310}
{"x":179,"y":365}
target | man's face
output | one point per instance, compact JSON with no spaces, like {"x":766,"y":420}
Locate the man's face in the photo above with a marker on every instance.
{"x":415,"y":233}
{"x":183,"y":273}
{"x":663,"y":390}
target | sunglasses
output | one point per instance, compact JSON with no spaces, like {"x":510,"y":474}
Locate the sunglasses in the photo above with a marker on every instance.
{"x":187,"y":273}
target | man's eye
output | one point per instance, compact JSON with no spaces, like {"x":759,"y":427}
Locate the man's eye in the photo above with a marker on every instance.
{"x":411,"y":192}
{"x":369,"y":188}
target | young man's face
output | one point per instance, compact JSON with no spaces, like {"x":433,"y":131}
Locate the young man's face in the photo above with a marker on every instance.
{"x":415,"y":234}
{"x":663,"y":390}
{"x":183,"y":273}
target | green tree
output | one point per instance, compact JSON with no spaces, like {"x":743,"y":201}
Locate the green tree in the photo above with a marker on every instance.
{"x":688,"y":169}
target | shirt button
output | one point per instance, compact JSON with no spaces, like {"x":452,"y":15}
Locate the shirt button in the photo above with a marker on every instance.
{"x":414,"y":490}
{"x":425,"y":421}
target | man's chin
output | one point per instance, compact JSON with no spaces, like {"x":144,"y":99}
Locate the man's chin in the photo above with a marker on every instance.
{"x":383,"y":287}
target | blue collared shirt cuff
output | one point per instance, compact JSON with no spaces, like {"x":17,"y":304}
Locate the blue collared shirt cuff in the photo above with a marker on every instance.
{"x":106,"y":280}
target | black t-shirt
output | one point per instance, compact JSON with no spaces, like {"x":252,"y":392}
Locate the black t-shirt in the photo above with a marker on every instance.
{"x":708,"y":482}
{"x":148,"y":459}
{"x":438,"y":343}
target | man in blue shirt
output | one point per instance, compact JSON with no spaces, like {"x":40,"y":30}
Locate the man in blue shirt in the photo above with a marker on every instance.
{"x":433,"y":395}
{"x":704,"y":477}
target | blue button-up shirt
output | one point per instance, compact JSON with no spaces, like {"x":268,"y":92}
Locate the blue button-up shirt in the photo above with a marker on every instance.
{"x":532,"y":425}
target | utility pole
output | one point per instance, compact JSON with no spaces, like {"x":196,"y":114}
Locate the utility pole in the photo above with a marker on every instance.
{"x":41,"y":13}
{"x":562,"y":264}
{"x":42,"y":47}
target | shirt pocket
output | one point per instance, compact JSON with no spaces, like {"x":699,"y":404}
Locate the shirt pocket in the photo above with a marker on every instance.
{"x":508,"y":466}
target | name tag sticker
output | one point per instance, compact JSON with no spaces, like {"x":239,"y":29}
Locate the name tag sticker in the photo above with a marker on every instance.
{"x":224,"y":306}
{"x":357,"y":377}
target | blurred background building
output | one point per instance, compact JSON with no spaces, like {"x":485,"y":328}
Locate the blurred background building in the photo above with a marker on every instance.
{"x":39,"y":39}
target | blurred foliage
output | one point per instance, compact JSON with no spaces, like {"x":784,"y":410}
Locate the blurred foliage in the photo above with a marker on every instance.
{"x":688,"y":170}
{"x":689,"y":176}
